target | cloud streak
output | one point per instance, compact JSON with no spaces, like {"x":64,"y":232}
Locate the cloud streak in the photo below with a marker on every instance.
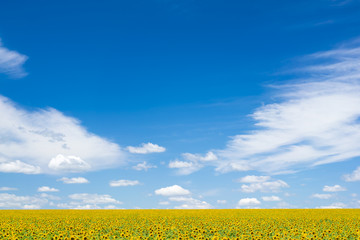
{"x":313,"y":121}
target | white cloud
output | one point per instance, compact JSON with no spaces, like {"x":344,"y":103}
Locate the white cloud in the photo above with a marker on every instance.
{"x":93,"y":199}
{"x":180,"y":164}
{"x":31,"y":206}
{"x":322,"y":196}
{"x":164,"y":203}
{"x":143,"y":166}
{"x":111,"y":207}
{"x":190,"y":203}
{"x":12,"y":201}
{"x":174,"y":190}
{"x":271,"y":198}
{"x":8,"y":189}
{"x":185,"y":168}
{"x":68,"y":164}
{"x":11,"y":62}
{"x":192,"y":163}
{"x":48,"y":196}
{"x":334,"y":206}
{"x":335,"y":188}
{"x":314,"y":120}
{"x":34,"y":140}
{"x":146,"y":148}
{"x":74,"y":180}
{"x":221,"y":201}
{"x":248,"y":202}
{"x":354,"y":176}
{"x":47,"y":189}
{"x":254,"y":179}
{"x":209,"y":157}
{"x":18,"y":167}
{"x":78,"y":206}
{"x":176,"y":193}
{"x":270,"y":186}
{"x":124,"y":183}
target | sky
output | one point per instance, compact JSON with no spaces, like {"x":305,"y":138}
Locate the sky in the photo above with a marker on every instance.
{"x":185,"y":104}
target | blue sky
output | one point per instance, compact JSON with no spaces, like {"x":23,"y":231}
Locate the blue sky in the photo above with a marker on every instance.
{"x":179,"y":104}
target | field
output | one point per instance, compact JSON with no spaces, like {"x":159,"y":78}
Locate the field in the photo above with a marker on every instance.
{"x":180,"y":224}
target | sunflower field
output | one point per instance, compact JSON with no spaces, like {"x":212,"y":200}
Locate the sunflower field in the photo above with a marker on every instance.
{"x":180,"y":224}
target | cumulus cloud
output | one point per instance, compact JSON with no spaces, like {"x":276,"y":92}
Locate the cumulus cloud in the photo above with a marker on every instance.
{"x":68,"y":164}
{"x":124,"y":183}
{"x":143,"y":166}
{"x":335,"y":188}
{"x":47,"y":141}
{"x":11,"y":62}
{"x":74,"y":180}
{"x":146,"y":148}
{"x":271,"y":198}
{"x":221,"y":201}
{"x":354,"y":176}
{"x":262,"y":184}
{"x":312,"y":121}
{"x":12,"y":201}
{"x":248,"y":202}
{"x":174,"y":190}
{"x":322,"y":196}
{"x":47,"y":189}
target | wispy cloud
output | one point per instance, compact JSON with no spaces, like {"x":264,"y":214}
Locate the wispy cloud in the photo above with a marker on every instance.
{"x":314,"y":120}
{"x":322,"y":196}
{"x":47,"y":141}
{"x":8,"y":189}
{"x":11,"y":62}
